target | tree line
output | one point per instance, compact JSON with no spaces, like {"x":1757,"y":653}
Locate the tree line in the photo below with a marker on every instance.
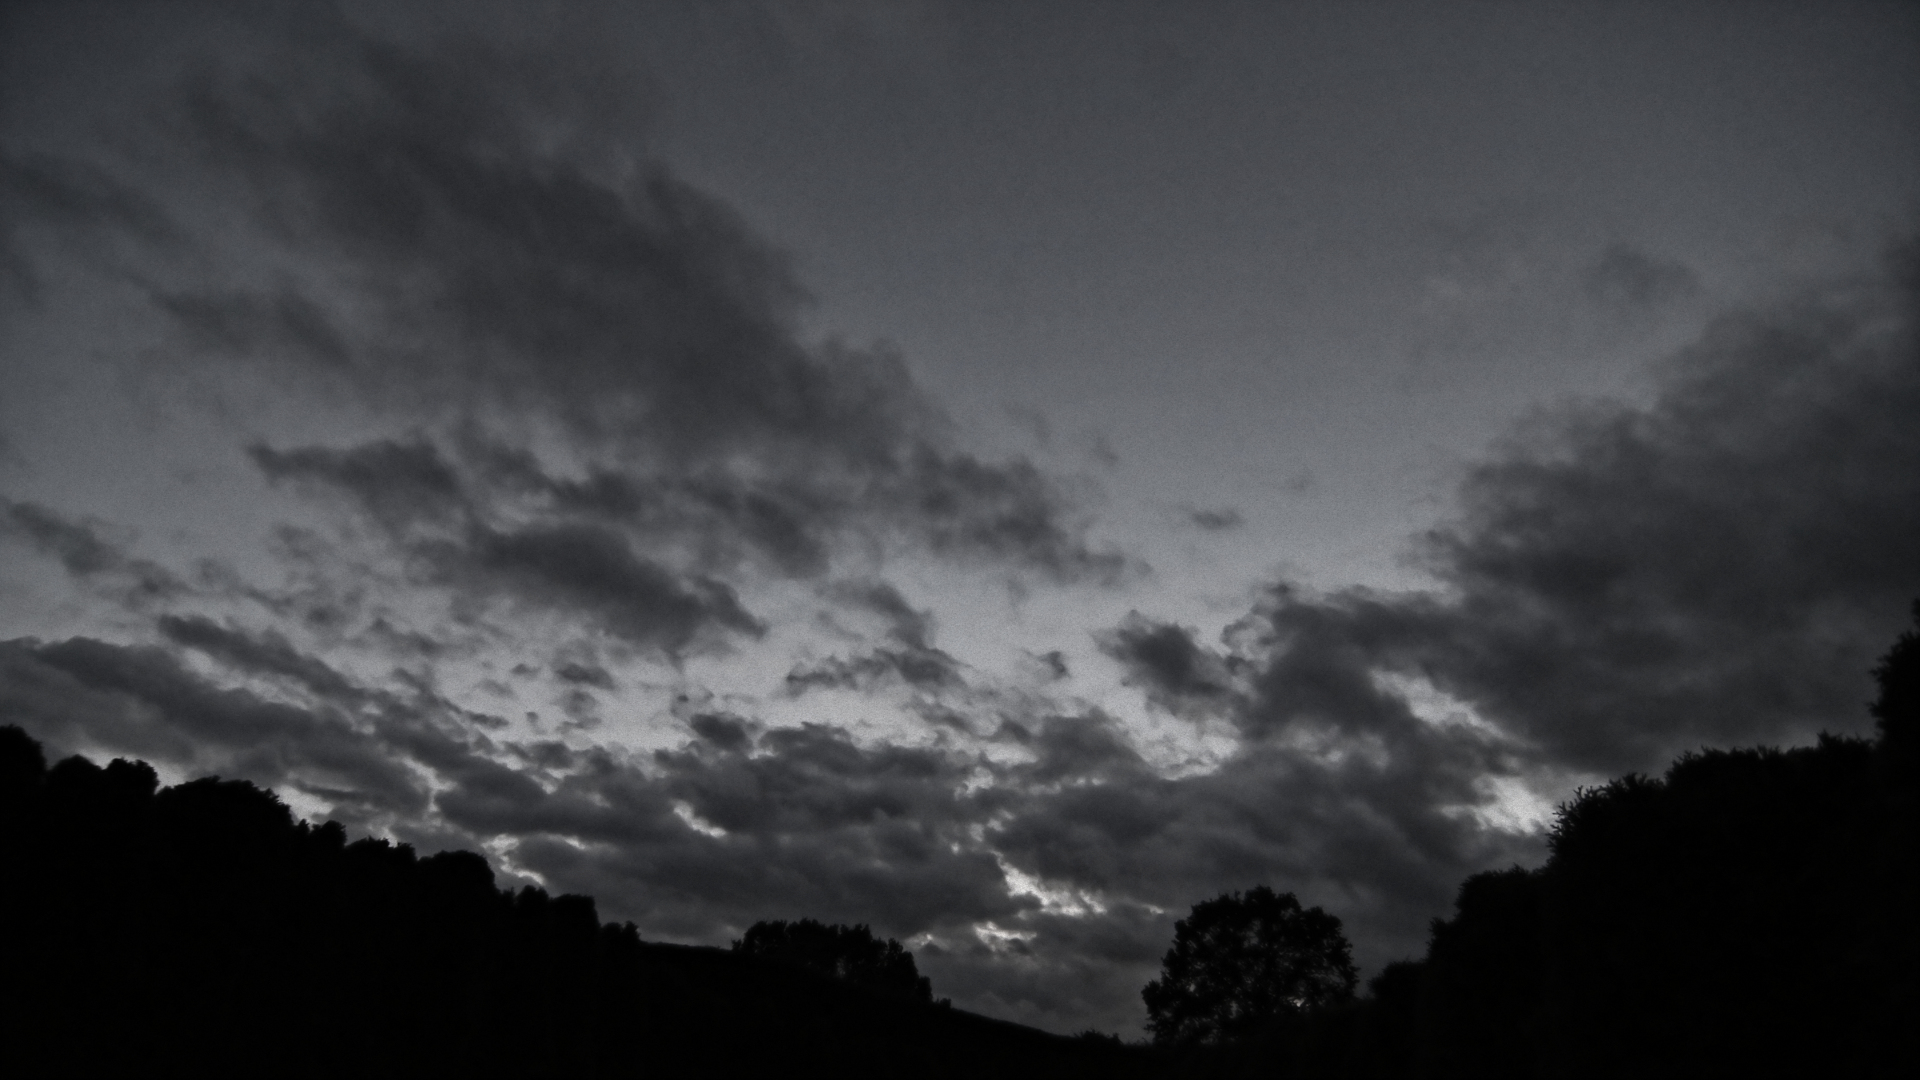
{"x":1751,"y":912}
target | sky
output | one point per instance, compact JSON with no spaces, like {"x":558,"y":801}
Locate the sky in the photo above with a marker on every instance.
{"x":1000,"y":473}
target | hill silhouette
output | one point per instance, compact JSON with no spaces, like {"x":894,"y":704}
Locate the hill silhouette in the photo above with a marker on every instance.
{"x":199,"y":929}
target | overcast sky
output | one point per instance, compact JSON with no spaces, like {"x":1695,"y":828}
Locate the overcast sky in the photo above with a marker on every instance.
{"x":1003,"y":473}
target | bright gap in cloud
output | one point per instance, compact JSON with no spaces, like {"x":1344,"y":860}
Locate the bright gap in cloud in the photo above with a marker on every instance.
{"x":1432,"y":704}
{"x":1513,"y":806}
{"x":305,"y":806}
{"x":501,"y":851}
{"x":1002,"y":940}
{"x":685,"y":812}
{"x":1054,"y":899}
{"x":1521,"y":804}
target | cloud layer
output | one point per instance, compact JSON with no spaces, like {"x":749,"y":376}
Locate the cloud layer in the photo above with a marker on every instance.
{"x":448,"y":258}
{"x":1617,"y":584}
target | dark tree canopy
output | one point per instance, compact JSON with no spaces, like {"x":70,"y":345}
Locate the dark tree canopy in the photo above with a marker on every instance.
{"x":1477,"y":991}
{"x":848,"y":953}
{"x":1240,"y":962}
{"x":1896,"y":710}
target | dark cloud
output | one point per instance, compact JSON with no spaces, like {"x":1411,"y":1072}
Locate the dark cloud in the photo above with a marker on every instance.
{"x":387,"y":639}
{"x":367,"y":752}
{"x":581,"y":681}
{"x":729,"y":733}
{"x":914,"y":662}
{"x":1053,"y":662}
{"x":1164,"y":660}
{"x":465,"y":267}
{"x":1625,"y":277}
{"x":906,"y":624}
{"x":1216,"y":520}
{"x":407,"y":485}
{"x":89,"y":557}
{"x":438,"y":506}
{"x":585,"y":569}
{"x":722,"y":521}
{"x":970,"y":510}
{"x":1625,"y":583}
{"x":711,"y":838}
{"x":265,"y":653}
{"x":1381,"y":836}
{"x":579,"y":567}
{"x":1089,"y":746}
{"x":447,"y":508}
{"x":921,"y":668}
{"x":584,"y":675}
{"x":481,"y":243}
{"x":61,"y":192}
{"x":83,"y":693}
{"x":282,"y":323}
{"x":634,"y":305}
{"x":81,"y":202}
{"x":396,"y":483}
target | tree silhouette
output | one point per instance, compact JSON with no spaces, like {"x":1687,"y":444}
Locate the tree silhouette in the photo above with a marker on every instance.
{"x":1480,"y":983}
{"x":848,"y":953}
{"x":1896,"y":711}
{"x":1240,"y":962}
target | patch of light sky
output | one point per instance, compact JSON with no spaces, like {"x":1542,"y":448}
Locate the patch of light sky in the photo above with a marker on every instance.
{"x":1055,"y":898}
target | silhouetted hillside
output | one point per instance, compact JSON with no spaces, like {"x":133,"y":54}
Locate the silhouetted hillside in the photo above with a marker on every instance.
{"x":199,"y":929}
